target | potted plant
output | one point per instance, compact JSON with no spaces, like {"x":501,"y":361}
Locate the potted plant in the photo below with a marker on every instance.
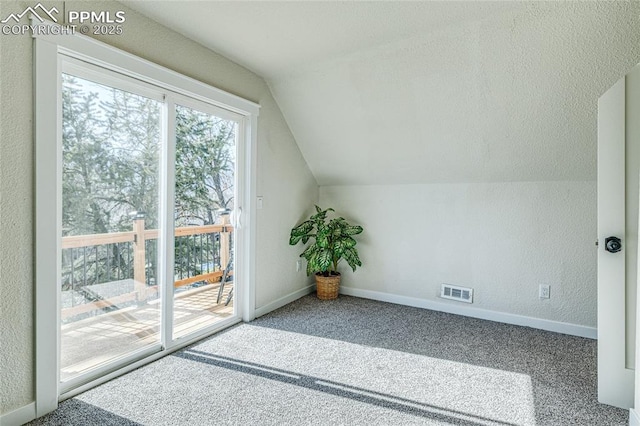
{"x":332,"y":241}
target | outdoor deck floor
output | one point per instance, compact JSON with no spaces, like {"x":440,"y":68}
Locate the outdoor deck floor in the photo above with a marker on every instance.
{"x":90,"y":342}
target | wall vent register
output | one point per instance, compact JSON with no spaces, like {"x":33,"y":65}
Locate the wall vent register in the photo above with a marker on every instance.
{"x":461,"y":294}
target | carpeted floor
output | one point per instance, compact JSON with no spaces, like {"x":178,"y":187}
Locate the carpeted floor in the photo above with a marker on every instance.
{"x":358,"y":362}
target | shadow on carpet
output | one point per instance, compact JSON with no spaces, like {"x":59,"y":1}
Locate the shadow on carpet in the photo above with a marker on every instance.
{"x":358,"y":362}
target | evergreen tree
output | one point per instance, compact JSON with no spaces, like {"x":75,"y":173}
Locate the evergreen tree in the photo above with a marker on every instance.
{"x":205,"y":162}
{"x":111,"y":164}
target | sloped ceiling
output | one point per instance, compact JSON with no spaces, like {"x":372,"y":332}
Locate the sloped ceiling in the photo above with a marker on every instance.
{"x":420,"y":92}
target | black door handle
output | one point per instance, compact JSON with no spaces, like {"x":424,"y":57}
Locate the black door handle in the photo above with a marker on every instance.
{"x":613,"y":244}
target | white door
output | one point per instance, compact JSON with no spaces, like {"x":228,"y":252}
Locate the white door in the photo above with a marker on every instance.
{"x":618,"y":167}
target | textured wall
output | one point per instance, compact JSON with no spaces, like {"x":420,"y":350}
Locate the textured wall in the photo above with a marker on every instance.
{"x":16,"y":219}
{"x":503,"y":97}
{"x":501,"y":239}
{"x":284,"y":180}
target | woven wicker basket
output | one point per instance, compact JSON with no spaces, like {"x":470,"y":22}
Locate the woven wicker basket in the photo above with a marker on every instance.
{"x":327,"y":287}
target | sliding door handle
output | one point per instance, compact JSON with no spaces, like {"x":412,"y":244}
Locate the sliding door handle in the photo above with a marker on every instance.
{"x":238,"y":218}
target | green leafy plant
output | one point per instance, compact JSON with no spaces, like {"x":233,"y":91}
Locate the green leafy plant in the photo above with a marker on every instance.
{"x":332,"y":241}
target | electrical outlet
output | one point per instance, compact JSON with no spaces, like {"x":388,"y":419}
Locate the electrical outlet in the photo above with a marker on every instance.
{"x":545,"y":291}
{"x":298,"y":265}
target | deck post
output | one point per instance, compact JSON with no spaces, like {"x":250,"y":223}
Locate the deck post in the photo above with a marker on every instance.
{"x":225,"y":239}
{"x":139,"y":260}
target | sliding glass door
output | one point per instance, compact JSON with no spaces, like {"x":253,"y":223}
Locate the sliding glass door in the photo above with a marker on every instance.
{"x":205,"y":194}
{"x":110,"y":185}
{"x":149,"y":196}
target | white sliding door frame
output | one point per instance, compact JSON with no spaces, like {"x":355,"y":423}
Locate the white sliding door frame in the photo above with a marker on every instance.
{"x":48,"y":227}
{"x":49,"y":51}
{"x":167,"y":223}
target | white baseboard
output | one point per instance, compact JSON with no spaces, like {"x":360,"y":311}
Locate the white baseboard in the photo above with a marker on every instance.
{"x":542,"y":324}
{"x":634,"y":417}
{"x":20,"y":416}
{"x":284,"y":300}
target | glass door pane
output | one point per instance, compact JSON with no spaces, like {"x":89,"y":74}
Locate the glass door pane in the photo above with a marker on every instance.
{"x":204,"y":199}
{"x":110,"y":186}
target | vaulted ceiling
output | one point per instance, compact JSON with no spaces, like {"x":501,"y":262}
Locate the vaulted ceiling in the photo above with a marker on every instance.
{"x":420,"y":92}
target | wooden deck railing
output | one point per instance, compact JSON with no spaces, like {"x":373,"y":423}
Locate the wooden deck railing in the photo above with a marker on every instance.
{"x":138,"y":236}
